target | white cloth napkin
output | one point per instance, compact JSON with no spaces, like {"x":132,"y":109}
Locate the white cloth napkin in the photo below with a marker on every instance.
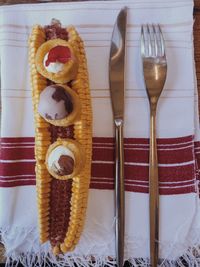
{"x":177,"y":132}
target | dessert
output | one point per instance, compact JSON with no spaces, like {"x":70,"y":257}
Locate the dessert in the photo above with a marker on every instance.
{"x":64,"y":159}
{"x":59,"y":105}
{"x":56,"y":60}
{"x":63,"y":132}
{"x":61,"y":161}
{"x":55,"y":103}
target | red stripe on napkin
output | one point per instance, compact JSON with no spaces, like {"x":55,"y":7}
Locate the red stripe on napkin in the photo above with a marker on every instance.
{"x":165,"y":155}
{"x":17,"y":168}
{"x":17,"y":183}
{"x":176,"y":164}
{"x":139,"y":189}
{"x":197,"y":157}
{"x":19,"y":140}
{"x":14,"y":153}
{"x":168,"y":174}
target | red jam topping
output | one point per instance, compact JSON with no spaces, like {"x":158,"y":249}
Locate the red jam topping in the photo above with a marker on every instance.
{"x":59,"y":53}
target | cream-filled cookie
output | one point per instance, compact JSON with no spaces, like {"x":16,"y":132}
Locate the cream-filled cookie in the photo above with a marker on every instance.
{"x":61,"y":160}
{"x":56,"y":60}
{"x":65,"y":159}
{"x":59,"y":105}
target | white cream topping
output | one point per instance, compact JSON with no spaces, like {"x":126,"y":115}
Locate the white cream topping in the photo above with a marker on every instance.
{"x":55,"y":155}
{"x":53,"y":67}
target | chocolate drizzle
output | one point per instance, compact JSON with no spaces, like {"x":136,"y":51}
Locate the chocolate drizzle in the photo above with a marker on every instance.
{"x":66,"y":164}
{"x":61,"y":94}
{"x":62,"y":132}
{"x":48,"y":116}
{"x":60,"y":195}
{"x":60,"y":210}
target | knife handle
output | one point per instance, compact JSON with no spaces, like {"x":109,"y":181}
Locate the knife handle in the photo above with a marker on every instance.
{"x":119,"y":192}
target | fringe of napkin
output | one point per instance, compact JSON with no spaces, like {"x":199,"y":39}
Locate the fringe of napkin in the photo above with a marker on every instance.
{"x":39,"y":255}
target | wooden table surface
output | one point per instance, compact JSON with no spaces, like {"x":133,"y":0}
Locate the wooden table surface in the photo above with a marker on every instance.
{"x":196,"y":47}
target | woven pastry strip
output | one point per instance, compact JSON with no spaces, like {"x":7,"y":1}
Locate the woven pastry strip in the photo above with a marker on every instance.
{"x":82,"y":134}
{"x":42,"y":137}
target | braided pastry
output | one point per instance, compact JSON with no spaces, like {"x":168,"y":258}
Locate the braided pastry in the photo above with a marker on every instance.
{"x":63,"y":132}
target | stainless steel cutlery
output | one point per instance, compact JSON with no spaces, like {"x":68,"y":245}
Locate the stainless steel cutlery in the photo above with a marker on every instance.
{"x":154,"y":71}
{"x":116,"y":77}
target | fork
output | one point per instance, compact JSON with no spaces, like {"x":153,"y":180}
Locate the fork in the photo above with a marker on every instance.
{"x":154,"y":72}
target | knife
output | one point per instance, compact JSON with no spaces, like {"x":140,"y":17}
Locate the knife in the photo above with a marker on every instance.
{"x":116,"y":79}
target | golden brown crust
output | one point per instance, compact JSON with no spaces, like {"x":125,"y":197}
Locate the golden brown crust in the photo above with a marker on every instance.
{"x":70,"y":68}
{"x":38,"y":83}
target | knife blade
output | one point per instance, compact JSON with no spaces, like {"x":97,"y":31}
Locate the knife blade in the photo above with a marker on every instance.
{"x":116,"y":80}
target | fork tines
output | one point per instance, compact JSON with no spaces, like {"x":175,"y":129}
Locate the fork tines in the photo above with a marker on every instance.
{"x":152,"y":42}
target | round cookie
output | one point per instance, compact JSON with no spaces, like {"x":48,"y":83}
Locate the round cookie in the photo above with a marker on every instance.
{"x":59,"y":105}
{"x":65,"y":158}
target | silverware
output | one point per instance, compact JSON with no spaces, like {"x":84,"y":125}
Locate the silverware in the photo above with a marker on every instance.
{"x":116,"y":78}
{"x":155,"y":71}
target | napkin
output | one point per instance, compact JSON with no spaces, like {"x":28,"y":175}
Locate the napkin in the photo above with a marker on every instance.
{"x":177,"y":132}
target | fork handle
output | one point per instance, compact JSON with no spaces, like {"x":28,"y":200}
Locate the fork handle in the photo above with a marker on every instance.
{"x":153,"y":190}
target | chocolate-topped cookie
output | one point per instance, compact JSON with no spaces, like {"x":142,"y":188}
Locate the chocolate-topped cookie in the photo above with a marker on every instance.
{"x":55,"y":103}
{"x":61,"y":161}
